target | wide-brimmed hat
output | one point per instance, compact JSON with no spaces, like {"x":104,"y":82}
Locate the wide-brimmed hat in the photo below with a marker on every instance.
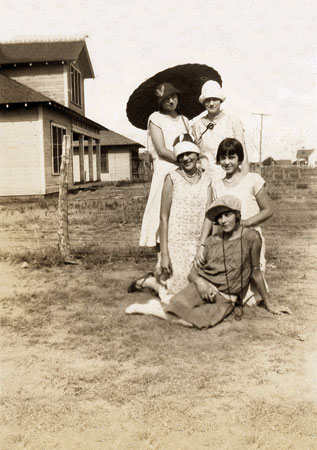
{"x":211,"y":89}
{"x":186,"y":78}
{"x":223,"y":204}
{"x":185,"y":143}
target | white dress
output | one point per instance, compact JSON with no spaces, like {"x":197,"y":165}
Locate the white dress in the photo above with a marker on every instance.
{"x":185,"y":222}
{"x":225,"y":126}
{"x":171,"y":128}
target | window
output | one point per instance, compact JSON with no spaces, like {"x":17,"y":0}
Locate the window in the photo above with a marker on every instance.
{"x":104,"y":162}
{"x":76,"y":85}
{"x":57,"y":134}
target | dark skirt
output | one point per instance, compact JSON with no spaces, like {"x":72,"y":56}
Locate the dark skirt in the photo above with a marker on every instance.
{"x":188,"y":305}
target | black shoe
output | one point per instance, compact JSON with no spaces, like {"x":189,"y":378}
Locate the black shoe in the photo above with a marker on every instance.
{"x":133,"y":286}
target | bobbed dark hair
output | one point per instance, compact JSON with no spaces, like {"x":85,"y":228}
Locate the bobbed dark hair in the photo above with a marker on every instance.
{"x":236,"y":213}
{"x":230,"y":147}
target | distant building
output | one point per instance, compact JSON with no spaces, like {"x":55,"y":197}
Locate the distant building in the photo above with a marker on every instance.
{"x":119,"y":157}
{"x":283,"y":162}
{"x":305,"y":157}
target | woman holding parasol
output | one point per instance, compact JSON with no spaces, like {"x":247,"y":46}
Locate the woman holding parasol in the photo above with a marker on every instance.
{"x":163,"y":127}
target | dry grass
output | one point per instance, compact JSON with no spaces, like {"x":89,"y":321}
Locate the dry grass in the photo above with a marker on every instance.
{"x":77,"y":373}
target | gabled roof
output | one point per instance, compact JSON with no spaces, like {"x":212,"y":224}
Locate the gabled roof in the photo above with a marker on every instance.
{"x":12,"y":92}
{"x":303,"y":153}
{"x":109,"y":137}
{"x":47,"y":51}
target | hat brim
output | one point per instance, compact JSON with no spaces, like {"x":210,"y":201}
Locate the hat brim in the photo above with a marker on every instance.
{"x":184,"y":147}
{"x":202,"y":99}
{"x":171,"y":92}
{"x":213,"y":212}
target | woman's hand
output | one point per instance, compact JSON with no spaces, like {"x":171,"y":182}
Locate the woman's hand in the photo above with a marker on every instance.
{"x":245,"y":223}
{"x":199,"y":258}
{"x":206,"y":290}
{"x":279,"y":310}
{"x":166,"y":265}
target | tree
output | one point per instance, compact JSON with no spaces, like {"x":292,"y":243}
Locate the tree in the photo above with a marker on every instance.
{"x":269,"y":161}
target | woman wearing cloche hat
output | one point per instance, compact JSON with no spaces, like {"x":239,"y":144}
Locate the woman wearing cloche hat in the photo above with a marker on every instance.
{"x":185,"y":195}
{"x":215,"y":126}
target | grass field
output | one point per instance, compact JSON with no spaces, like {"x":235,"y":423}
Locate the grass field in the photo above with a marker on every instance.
{"x":77,"y":373}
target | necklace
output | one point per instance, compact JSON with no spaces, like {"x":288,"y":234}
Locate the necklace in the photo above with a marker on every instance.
{"x":189,"y":176}
{"x":234,"y":176}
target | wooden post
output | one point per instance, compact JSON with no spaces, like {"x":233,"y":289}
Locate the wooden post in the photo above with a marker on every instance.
{"x":63,"y":236}
{"x":98,"y":159}
{"x":90,"y":158}
{"x":81,"y":158}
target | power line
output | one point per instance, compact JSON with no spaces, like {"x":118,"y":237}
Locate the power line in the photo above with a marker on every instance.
{"x":261,"y":132}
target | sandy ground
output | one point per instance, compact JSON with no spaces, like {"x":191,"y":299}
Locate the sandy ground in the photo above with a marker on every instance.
{"x":199,"y":390}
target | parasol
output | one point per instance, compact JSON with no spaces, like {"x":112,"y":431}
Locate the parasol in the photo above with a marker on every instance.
{"x":188,"y":78}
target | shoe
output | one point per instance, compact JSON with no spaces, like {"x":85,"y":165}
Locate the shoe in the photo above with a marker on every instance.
{"x":133,"y":286}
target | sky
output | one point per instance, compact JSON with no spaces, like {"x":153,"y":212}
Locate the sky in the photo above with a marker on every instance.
{"x":264,"y":50}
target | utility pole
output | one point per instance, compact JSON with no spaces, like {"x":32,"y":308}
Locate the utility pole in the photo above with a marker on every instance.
{"x":261,"y":131}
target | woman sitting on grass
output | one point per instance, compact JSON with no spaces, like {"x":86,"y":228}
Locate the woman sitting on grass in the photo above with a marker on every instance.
{"x":232,"y":258}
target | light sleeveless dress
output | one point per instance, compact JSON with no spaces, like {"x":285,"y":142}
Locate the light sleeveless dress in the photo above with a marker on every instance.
{"x":186,"y":219}
{"x":171,"y":128}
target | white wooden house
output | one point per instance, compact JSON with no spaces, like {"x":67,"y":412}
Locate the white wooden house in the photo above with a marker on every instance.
{"x":307,"y":157}
{"x":119,"y":157}
{"x":42,"y":98}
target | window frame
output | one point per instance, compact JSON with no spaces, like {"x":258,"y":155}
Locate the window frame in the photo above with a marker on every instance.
{"x":57,"y":147}
{"x":104,"y":161}
{"x":76,"y":86}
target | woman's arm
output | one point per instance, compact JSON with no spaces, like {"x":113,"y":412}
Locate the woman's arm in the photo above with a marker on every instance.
{"x":205,"y":232}
{"x":245,"y":166}
{"x":159,"y":143}
{"x":257,"y":277}
{"x":166,"y":202}
{"x":207,"y":290}
{"x":265,"y":213}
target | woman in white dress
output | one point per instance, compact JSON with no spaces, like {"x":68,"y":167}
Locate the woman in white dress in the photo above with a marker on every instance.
{"x":215,"y":126}
{"x":163,"y":128}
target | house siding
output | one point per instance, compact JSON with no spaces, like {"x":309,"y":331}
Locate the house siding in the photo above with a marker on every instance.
{"x":51,"y":116}
{"x":119,"y":164}
{"x":46,"y":79}
{"x":21,"y":169}
{"x":52,"y":80}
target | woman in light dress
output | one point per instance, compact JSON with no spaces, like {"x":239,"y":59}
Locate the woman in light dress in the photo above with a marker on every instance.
{"x":215,"y":126}
{"x":184,"y":200}
{"x":163,"y":128}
